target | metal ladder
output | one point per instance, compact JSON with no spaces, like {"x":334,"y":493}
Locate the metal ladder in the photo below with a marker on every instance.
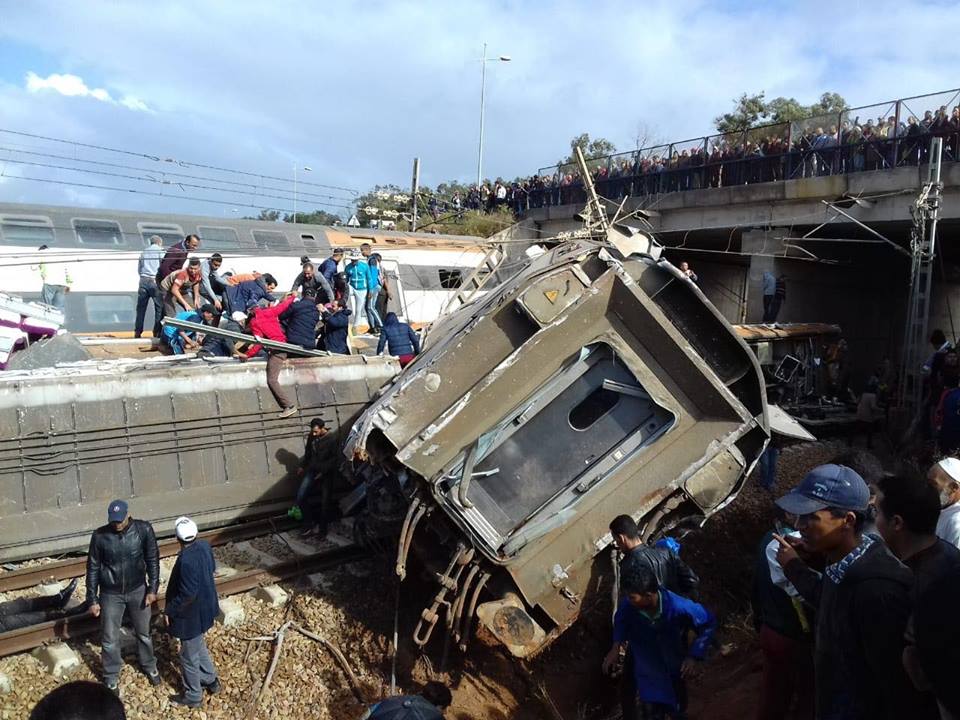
{"x":923,"y":239}
{"x":476,"y":279}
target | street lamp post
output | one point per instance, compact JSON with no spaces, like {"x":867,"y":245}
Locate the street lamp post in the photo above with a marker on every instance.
{"x":483,"y":86}
{"x":306,"y":168}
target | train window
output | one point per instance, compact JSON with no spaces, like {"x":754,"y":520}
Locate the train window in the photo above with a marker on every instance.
{"x":593,"y":407}
{"x":271,"y":240}
{"x":26,"y":231}
{"x":110,"y":309}
{"x":170,"y":234}
{"x":218,"y":238}
{"x":310,"y":242}
{"x":98,"y":232}
{"x":450,"y":279}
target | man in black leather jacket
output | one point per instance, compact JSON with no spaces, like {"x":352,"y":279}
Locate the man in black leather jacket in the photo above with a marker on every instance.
{"x":671,"y":572}
{"x":123,"y":573}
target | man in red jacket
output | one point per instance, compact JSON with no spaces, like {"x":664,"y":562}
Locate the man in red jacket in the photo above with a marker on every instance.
{"x":265,"y":323}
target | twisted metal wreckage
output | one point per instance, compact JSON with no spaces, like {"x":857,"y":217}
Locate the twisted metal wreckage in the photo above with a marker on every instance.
{"x":598,"y":380}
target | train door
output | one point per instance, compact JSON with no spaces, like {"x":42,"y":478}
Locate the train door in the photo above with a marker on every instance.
{"x":397,"y":302}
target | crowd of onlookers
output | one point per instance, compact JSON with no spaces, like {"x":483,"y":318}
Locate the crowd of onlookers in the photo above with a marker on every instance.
{"x":317,"y":313}
{"x":765,"y":154}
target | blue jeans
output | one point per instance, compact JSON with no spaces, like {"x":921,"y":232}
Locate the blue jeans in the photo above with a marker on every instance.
{"x":196,"y":668}
{"x":304,"y":488}
{"x":148,"y":291}
{"x":112,"y":606}
{"x":358,"y":301}
{"x":373,"y":317}
{"x":53,"y":295}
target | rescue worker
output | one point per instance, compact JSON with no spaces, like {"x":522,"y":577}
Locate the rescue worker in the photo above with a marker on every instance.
{"x":56,"y":281}
{"x":191,"y":608}
{"x":123,"y":574}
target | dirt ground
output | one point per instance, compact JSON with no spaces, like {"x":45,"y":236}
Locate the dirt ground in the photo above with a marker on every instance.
{"x":354,"y":609}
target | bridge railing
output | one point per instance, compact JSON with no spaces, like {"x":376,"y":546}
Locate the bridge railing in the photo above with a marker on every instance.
{"x":882,"y":136}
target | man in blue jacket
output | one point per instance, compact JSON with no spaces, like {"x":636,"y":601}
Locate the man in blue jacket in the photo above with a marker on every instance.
{"x":399,"y":338}
{"x":335,"y":328}
{"x":328,"y":268}
{"x":300,"y":321}
{"x":192,"y":607}
{"x":655,"y":622}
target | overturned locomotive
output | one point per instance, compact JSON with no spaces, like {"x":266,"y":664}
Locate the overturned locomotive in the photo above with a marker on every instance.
{"x":596,"y":381}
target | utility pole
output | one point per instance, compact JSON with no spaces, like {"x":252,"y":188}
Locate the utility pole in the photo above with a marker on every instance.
{"x":415,"y":188}
{"x":923,"y":240}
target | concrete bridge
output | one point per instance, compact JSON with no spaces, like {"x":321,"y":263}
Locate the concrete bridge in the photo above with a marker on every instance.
{"x":836,"y":269}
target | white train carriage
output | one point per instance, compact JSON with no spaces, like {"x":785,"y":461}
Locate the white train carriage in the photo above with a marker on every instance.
{"x":100,"y":249}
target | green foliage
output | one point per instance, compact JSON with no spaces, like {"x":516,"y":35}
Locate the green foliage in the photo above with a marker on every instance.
{"x":317,"y":217}
{"x":591,"y":149}
{"x":753,"y":110}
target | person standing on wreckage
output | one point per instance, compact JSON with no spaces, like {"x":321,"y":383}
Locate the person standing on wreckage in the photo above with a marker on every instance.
{"x":123,"y":573}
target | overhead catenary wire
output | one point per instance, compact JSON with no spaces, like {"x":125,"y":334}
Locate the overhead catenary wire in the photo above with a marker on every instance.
{"x":162,"y":172}
{"x":181,"y":185}
{"x":157,"y":158}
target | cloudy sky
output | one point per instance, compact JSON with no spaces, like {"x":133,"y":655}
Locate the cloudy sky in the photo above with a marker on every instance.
{"x":355,"y":90}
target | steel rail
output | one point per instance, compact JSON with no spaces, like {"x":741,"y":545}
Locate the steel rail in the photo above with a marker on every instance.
{"x":76,"y":567}
{"x":75,"y":626}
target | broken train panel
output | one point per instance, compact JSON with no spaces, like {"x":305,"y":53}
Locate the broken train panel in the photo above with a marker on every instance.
{"x":587,"y":386}
{"x":174,"y":435}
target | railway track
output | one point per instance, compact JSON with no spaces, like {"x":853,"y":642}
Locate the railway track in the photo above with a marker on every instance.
{"x":75,"y":626}
{"x":76,"y":567}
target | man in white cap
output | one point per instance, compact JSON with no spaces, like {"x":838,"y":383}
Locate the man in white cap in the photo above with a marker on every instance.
{"x":192,"y":607}
{"x":946,"y":476}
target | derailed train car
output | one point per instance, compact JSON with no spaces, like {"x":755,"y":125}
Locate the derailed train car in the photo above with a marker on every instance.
{"x":597,"y":381}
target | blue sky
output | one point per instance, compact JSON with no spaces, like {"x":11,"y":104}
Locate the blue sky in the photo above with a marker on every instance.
{"x":355,"y":90}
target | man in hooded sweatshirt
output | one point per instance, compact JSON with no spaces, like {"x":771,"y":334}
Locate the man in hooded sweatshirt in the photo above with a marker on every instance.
{"x":399,"y":338}
{"x":863,"y":599}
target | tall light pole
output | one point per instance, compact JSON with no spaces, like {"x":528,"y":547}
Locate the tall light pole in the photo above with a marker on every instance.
{"x":483,"y":86}
{"x":306,"y":168}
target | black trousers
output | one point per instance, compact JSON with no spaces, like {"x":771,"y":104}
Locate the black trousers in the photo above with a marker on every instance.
{"x":16,"y":614}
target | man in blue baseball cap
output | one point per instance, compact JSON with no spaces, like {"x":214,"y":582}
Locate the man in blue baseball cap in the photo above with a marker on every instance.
{"x":428,"y":705}
{"x":862,"y":599}
{"x":123,"y":574}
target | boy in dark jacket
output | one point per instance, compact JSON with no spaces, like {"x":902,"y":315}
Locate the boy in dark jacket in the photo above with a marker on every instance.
{"x":191,"y":608}
{"x":300,"y":321}
{"x":399,"y":338}
{"x":336,"y":325}
{"x":655,"y":622}
{"x":862,"y":599}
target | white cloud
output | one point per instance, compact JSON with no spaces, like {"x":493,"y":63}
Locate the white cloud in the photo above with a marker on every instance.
{"x":74,"y":86}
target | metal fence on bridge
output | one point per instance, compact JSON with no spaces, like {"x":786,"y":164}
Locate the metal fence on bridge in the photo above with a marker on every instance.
{"x":872,"y":137}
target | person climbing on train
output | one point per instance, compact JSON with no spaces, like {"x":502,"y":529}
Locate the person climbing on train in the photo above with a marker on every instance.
{"x":336,"y":328}
{"x":180,"y":340}
{"x":244,"y":291}
{"x":300,"y":321}
{"x":123,"y":575}
{"x":176,"y":256}
{"x":330,"y":266}
{"x":265,"y":323}
{"x":399,"y":338}
{"x":309,"y":280}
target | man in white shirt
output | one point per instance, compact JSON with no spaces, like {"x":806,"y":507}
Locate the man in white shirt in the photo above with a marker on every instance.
{"x":946,"y":476}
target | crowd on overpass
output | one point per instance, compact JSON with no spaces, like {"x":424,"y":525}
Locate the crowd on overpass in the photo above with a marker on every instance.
{"x":777,"y":152}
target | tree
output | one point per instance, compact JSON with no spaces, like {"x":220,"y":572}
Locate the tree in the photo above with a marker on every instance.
{"x":752,"y":111}
{"x":830,"y":103}
{"x":747,"y":113}
{"x":645,"y":136}
{"x":317,"y":217}
{"x":592,"y":149}
{"x":268,"y":215}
